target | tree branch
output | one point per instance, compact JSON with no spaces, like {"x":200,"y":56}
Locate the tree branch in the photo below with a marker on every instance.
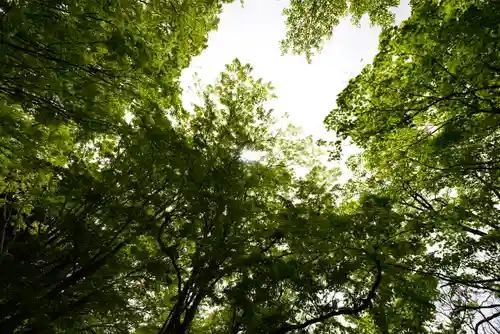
{"x":487,"y":319}
{"x":168,"y":252}
{"x":461,"y":308}
{"x":365,"y":303}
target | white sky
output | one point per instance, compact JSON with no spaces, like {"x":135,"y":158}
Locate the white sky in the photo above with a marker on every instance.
{"x":307,"y":92}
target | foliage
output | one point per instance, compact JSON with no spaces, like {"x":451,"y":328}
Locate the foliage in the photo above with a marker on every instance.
{"x":426,"y":113}
{"x":309,"y":23}
{"x":105,"y":244}
{"x":164,"y":220}
{"x":90,"y":61}
{"x":70,"y":72}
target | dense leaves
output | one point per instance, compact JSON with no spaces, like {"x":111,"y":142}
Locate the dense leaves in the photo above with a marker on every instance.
{"x":309,"y":23}
{"x":122,"y":212}
{"x":70,"y":72}
{"x":426,"y":112}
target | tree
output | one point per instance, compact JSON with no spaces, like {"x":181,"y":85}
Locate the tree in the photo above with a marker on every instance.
{"x":89,"y":62}
{"x":162,"y":222}
{"x":110,"y":246}
{"x":70,"y":71}
{"x":426,"y":114}
{"x":257,"y":250}
{"x":309,"y":23}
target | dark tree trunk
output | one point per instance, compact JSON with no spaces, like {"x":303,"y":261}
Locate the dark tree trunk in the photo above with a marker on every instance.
{"x":174,"y":324}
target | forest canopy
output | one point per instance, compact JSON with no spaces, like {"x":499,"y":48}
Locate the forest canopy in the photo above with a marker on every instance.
{"x":123,"y":212}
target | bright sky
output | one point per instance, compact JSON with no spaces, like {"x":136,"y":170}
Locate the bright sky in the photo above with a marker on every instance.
{"x":307,"y":92}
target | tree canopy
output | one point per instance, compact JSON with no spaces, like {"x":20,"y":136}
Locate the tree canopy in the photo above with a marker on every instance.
{"x":426,"y":114}
{"x":310,"y":23}
{"x":122,"y":212}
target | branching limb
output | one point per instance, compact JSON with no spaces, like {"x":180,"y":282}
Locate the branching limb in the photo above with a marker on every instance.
{"x":363,"y":305}
{"x":169,"y":253}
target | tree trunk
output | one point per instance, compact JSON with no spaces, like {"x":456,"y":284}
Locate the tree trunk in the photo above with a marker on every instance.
{"x":174,"y":325}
